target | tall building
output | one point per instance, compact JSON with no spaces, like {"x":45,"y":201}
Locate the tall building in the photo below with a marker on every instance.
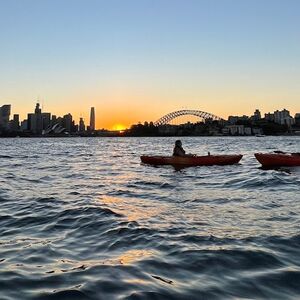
{"x":29,"y":121}
{"x":24,"y":125}
{"x":68,"y":122}
{"x":4,"y":115}
{"x":81,"y":125}
{"x":35,"y":120}
{"x":46,"y":117}
{"x":38,"y":121}
{"x":53,"y":120}
{"x":92,"y":119}
{"x":297,"y":119}
{"x":14,"y":125}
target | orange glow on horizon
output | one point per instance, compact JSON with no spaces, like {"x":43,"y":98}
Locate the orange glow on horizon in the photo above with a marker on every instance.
{"x":120,"y":108}
{"x":119,"y":127}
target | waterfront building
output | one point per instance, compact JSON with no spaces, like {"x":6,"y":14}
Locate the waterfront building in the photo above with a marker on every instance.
{"x":68,"y":122}
{"x":59,"y":121}
{"x":57,"y":128}
{"x":81,"y":125}
{"x":37,"y":123}
{"x":256,"y":116}
{"x":164,"y":129}
{"x":53,"y":120}
{"x":46,"y":120}
{"x":297,"y":119}
{"x":4,"y":115}
{"x":29,"y":121}
{"x":234,"y":119}
{"x":24,"y":125}
{"x":14,"y":124}
{"x":269,"y":117}
{"x":235,"y":129}
{"x":283,"y":117}
{"x":16,"y":119}
{"x":92,"y":119}
{"x":35,"y":120}
{"x":247,"y":131}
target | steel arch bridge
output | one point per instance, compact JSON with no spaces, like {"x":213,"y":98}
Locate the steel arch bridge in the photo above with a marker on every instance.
{"x":185,"y":112}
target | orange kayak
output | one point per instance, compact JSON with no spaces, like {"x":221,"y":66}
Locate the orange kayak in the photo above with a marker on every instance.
{"x":207,"y":160}
{"x":278,"y":160}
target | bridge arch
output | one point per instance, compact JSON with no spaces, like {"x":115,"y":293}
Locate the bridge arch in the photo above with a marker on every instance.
{"x":185,"y":112}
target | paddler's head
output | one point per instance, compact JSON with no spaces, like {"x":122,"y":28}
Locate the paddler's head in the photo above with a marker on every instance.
{"x":178,"y":143}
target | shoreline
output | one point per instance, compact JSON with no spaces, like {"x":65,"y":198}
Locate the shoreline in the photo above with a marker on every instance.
{"x":145,"y":136}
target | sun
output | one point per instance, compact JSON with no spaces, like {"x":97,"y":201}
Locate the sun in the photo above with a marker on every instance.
{"x":119,"y":127}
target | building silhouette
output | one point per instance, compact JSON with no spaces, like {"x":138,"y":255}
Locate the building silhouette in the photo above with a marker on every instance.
{"x":38,"y":121}
{"x":283,"y":117}
{"x":35,"y":120}
{"x":81,"y":125}
{"x":24,"y":125}
{"x":41,"y":123}
{"x":4,"y":116}
{"x":14,"y":124}
{"x":46,"y":120}
{"x":92,"y":119}
{"x":257,"y":115}
{"x":297,"y":119}
{"x":67,"y":123}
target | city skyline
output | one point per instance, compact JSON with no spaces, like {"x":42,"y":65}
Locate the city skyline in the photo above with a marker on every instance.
{"x":137,"y":60}
{"x":40,"y":122}
{"x":86,"y":117}
{"x":46,"y":124}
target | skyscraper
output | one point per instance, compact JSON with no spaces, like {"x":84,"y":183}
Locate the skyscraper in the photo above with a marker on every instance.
{"x":4,"y":115}
{"x":92,"y":119}
{"x":46,"y":117}
{"x":81,"y":125}
{"x":14,"y":125}
{"x":35,"y":121}
{"x":67,"y":122}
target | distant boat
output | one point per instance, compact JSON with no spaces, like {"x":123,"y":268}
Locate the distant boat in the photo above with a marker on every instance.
{"x":260,"y":135}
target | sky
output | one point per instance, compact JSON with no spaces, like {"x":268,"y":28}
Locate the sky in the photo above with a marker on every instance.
{"x":137,"y":60}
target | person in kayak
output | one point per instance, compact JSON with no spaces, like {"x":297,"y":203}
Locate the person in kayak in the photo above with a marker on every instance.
{"x":179,"y":151}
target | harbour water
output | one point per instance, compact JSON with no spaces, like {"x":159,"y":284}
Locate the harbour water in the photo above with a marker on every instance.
{"x":82,"y":218}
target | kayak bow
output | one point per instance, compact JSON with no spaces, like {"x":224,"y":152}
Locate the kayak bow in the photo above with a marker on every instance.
{"x":278,"y":160}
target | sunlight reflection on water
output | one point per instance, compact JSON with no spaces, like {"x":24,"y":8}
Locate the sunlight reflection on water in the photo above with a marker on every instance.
{"x":84,"y":217}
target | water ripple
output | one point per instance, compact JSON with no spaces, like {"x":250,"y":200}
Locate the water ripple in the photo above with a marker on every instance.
{"x":84,"y":219}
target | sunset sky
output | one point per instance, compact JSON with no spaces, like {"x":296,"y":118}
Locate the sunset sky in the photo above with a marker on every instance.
{"x":137,"y":60}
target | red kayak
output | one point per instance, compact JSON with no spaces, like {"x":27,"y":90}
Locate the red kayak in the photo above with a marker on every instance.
{"x":207,"y":160}
{"x":278,"y":159}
